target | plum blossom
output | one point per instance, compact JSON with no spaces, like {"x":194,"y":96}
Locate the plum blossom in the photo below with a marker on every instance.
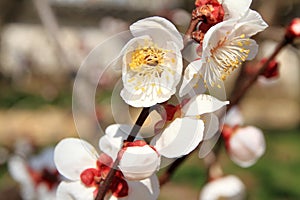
{"x":151,"y":62}
{"x":211,"y":12}
{"x":231,"y":8}
{"x":227,"y":187}
{"x":138,"y":160}
{"x":225,"y":47}
{"x":79,"y":162}
{"x":245,"y":145}
{"x":37,"y":175}
{"x":188,"y":129}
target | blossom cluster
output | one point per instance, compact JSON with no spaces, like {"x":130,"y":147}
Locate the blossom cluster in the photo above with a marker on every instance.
{"x":152,"y":72}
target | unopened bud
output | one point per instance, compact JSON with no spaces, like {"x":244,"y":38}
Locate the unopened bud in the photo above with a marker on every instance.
{"x":293,"y":30}
{"x":227,"y":187}
{"x":245,"y":145}
{"x":272,"y":70}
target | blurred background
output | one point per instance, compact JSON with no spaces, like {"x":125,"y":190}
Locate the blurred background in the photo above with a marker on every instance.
{"x":44,"y":42}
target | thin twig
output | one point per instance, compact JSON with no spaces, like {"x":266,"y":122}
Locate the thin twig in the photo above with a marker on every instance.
{"x":104,"y":187}
{"x":50,"y":23}
{"x":234,"y":100}
{"x":239,"y":94}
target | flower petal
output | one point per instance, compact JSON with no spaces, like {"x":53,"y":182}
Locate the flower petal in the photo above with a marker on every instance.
{"x":112,"y":141}
{"x":201,"y":104}
{"x":206,"y":145}
{"x":74,"y":190}
{"x":138,"y":163}
{"x":211,"y":125}
{"x":228,"y":187}
{"x":180,"y":138}
{"x":192,"y":82}
{"x":250,"y":24}
{"x":235,"y":9}
{"x":146,"y":85}
{"x":159,"y":29}
{"x":72,"y":156}
{"x":147,"y":189}
{"x":17,"y":168}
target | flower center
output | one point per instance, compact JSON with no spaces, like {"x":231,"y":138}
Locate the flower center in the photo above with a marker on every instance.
{"x":147,"y":59}
{"x":229,"y":54}
{"x":92,"y":177}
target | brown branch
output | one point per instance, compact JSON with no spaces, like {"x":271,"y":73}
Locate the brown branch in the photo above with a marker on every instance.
{"x":238,"y":94}
{"x":51,"y":26}
{"x":248,"y":81}
{"x":104,"y":187}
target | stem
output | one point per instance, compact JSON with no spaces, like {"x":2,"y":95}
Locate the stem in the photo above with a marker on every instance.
{"x":190,"y":30}
{"x":104,"y":187}
{"x":239,"y":93}
{"x":50,"y":23}
{"x":163,"y":179}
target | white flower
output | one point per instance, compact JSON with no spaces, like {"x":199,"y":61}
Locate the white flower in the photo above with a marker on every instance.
{"x":184,"y":134}
{"x":229,"y":187}
{"x":246,"y":145}
{"x":152,"y":64}
{"x":138,"y":160}
{"x":38,"y":176}
{"x":225,"y":46}
{"x":79,"y":162}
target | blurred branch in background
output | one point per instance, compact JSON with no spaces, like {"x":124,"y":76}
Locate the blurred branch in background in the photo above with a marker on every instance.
{"x":50,"y":23}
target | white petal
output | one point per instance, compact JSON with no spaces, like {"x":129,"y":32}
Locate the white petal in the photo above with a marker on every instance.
{"x":211,"y":125}
{"x":234,"y":117}
{"x":72,"y":156}
{"x":148,"y":89}
{"x":147,"y":189}
{"x":235,"y":9}
{"x":180,"y":138}
{"x":246,"y":146}
{"x":250,"y":24}
{"x":43,"y":192}
{"x":201,"y":104}
{"x":17,"y":168}
{"x":253,"y":47}
{"x":113,"y":139}
{"x":228,"y":187}
{"x":190,"y":53}
{"x":207,"y":145}
{"x":74,"y":191}
{"x":138,"y":163}
{"x":159,"y":29}
{"x":191,"y":80}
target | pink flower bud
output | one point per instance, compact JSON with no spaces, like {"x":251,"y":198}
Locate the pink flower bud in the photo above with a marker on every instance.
{"x":245,"y":145}
{"x":293,"y":30}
